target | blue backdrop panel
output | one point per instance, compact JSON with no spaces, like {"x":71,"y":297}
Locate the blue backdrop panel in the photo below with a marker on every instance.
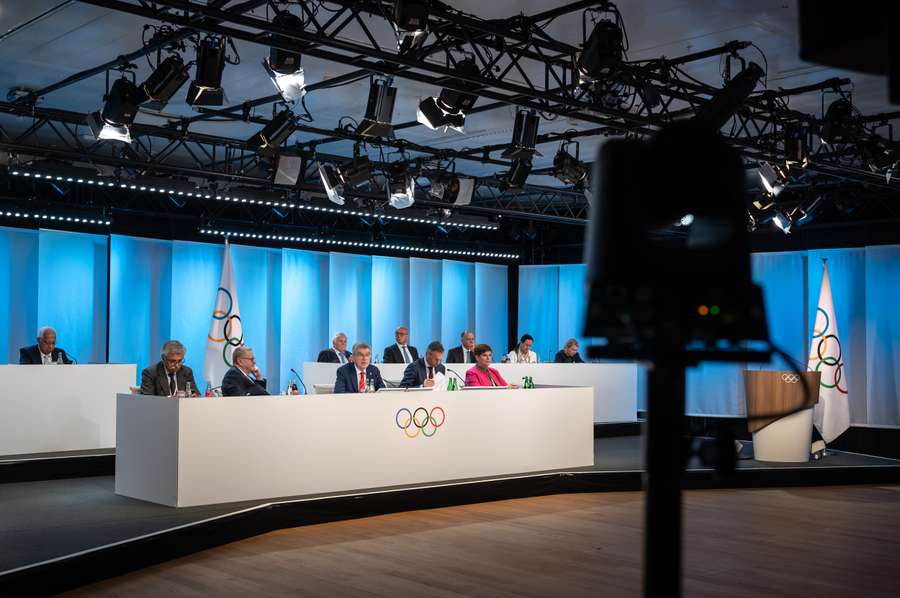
{"x":304,"y":308}
{"x":72,"y":291}
{"x":196,"y":268}
{"x":539,"y":308}
{"x":140,"y":300}
{"x":350,"y":296}
{"x":883,"y":335}
{"x":390,"y":298}
{"x":572,"y":304}
{"x":491,"y":307}
{"x":253,"y":267}
{"x":457,"y":301}
{"x":18,"y":291}
{"x":425,"y":277}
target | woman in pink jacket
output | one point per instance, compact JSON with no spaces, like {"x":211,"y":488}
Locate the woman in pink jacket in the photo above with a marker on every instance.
{"x":482,"y":374}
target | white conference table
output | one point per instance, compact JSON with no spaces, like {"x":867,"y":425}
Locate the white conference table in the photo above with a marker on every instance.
{"x":208,"y":450}
{"x":616,"y":385}
{"x":51,"y":408}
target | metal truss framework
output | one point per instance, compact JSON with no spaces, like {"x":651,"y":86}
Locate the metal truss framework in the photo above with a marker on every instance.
{"x":511,"y":54}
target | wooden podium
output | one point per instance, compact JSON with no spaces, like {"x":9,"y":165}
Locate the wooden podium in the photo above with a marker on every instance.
{"x":770,"y":394}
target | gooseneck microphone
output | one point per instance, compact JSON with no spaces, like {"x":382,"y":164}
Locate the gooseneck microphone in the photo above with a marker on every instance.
{"x":461,"y":379}
{"x":306,"y":392}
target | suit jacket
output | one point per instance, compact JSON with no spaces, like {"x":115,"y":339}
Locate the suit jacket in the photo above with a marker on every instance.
{"x":155,"y":380}
{"x":392,"y":354}
{"x":455,"y":355}
{"x":561,"y":357}
{"x":416,"y":373}
{"x":32,"y":355}
{"x":236,"y":384}
{"x":329,"y":356}
{"x":346,"y":379}
{"x":478,"y":377}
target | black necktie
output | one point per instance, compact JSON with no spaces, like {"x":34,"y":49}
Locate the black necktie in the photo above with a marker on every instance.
{"x":430,"y":372}
{"x":172,"y":385}
{"x":469,"y":357}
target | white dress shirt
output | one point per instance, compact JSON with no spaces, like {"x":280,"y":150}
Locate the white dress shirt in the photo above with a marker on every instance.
{"x":515,"y":357}
{"x":46,"y":358}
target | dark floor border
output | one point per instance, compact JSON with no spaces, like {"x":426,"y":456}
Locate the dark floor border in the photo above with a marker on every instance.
{"x":70,"y":572}
{"x":54,"y":468}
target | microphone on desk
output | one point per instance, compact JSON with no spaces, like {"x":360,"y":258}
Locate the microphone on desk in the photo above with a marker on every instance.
{"x":306,"y":392}
{"x":461,"y":379}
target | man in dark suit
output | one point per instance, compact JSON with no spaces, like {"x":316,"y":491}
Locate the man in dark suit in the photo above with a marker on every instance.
{"x":237,"y":381}
{"x":337,"y":353}
{"x":45,"y":352}
{"x":421,"y":372}
{"x":401,"y":351}
{"x":463,"y":353}
{"x":169,"y":375}
{"x":359,"y":375}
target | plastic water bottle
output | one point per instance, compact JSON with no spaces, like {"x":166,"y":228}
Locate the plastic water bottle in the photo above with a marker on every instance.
{"x":369,"y":386}
{"x":187,"y":389}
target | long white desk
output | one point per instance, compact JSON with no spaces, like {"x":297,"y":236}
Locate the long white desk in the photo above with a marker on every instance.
{"x":616,"y":385}
{"x":188,"y":452}
{"x":49,"y":408}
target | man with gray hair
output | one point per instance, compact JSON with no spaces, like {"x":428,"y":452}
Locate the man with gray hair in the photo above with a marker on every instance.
{"x":337,"y":353}
{"x":238,"y":381}
{"x":359,"y":375}
{"x":45,"y":352}
{"x":169,"y":376}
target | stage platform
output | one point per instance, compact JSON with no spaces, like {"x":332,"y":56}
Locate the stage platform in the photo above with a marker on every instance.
{"x":61,"y":533}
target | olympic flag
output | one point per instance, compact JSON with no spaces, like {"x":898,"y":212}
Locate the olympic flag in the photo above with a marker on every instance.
{"x":832,"y":412}
{"x":225,"y":331}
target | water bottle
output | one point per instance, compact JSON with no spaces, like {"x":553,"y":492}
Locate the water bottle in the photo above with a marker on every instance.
{"x":209,"y":390}
{"x":369,"y":386}
{"x":451,"y":384}
{"x":59,"y":359}
{"x":187,"y":389}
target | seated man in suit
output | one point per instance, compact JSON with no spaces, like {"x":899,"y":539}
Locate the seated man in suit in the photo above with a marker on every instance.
{"x":569,"y":353}
{"x":169,"y":375}
{"x":237,"y":381}
{"x":45,"y":352}
{"x":463,"y":353}
{"x":483,"y":374}
{"x":421,"y":371}
{"x":401,"y":351}
{"x":337,"y":353}
{"x":359,"y":375}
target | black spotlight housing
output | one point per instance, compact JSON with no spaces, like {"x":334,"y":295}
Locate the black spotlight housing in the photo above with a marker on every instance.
{"x":449,"y":109}
{"x":517,"y":175}
{"x":379,"y":110}
{"x":568,"y":168}
{"x":164,"y":82}
{"x":727,"y":100}
{"x":602,"y":51}
{"x":285,"y":62}
{"x":270,"y":138}
{"x":411,"y":19}
{"x":120,"y":108}
{"x":524,"y":136}
{"x":840,"y":124}
{"x":796,"y":150}
{"x":206,"y":88}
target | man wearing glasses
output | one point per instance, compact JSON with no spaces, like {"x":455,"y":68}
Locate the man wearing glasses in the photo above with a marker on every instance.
{"x":244,"y":378}
{"x":169,"y":377}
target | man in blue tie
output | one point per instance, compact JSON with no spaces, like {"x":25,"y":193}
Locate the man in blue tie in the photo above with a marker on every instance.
{"x":401,"y":351}
{"x":337,"y":353}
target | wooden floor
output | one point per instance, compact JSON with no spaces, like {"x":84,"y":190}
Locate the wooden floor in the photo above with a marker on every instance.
{"x":834,"y":541}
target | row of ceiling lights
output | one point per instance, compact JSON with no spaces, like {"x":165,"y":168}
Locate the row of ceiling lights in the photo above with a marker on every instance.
{"x":55,"y":218}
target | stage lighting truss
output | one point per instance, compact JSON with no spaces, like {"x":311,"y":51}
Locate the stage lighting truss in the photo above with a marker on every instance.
{"x":524,"y":136}
{"x":202,"y":194}
{"x":379,"y":110}
{"x":206,"y":88}
{"x":120,"y":106}
{"x":448,"y":110}
{"x":282,"y":66}
{"x":411,"y":24}
{"x":269,"y":139}
{"x":44,"y":218}
{"x":409,"y":249}
{"x":165,"y":81}
{"x":568,"y":168}
{"x":602,"y":52}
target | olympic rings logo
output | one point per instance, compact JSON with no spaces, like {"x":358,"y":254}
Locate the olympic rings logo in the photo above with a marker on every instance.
{"x":790,"y":378}
{"x":827,"y":345}
{"x":232,"y":331}
{"x":420,"y":421}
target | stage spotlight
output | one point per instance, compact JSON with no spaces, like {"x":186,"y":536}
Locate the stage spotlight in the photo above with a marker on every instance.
{"x":524,"y":136}
{"x":283,"y":66}
{"x":840,"y":124}
{"x":379,"y":110}
{"x":773,"y":178}
{"x":206,"y":88}
{"x":877,"y":153}
{"x":268,"y":140}
{"x":517,"y":175}
{"x":602,"y":52}
{"x":401,"y":187}
{"x":732,"y":96}
{"x":411,"y":19}
{"x":452,"y":189}
{"x":568,"y":168}
{"x":449,"y":109}
{"x":119,"y":109}
{"x":349,"y":175}
{"x":796,"y":150}
{"x":165,"y":81}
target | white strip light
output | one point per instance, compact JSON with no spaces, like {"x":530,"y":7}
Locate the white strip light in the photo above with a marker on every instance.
{"x":274,"y":204}
{"x":54,"y":218}
{"x":361,"y":244}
